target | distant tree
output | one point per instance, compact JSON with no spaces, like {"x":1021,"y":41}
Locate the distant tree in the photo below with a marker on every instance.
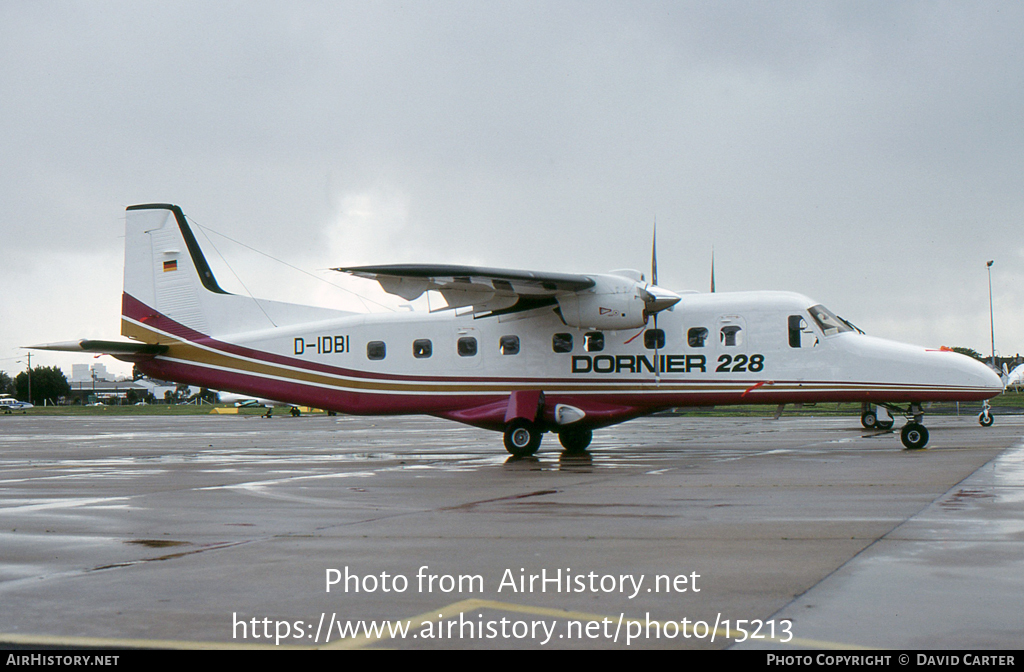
{"x":6,"y":383}
{"x":970,"y":353}
{"x":48,"y":382}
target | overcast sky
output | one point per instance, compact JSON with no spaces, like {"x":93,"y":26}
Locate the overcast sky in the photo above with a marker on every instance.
{"x":867,"y":154}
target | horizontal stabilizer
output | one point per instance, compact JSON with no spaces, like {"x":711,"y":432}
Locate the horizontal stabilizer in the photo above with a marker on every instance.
{"x":103,"y":347}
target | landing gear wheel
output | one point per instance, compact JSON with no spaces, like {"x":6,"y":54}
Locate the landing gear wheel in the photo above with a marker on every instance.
{"x":886,"y":424}
{"x":575,"y":440}
{"x":869,"y":419}
{"x":985,"y":418}
{"x":295,"y":412}
{"x":914,"y":436}
{"x":522,"y":438}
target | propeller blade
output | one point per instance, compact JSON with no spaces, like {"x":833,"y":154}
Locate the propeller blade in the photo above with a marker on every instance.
{"x":657,"y":360}
{"x":654,"y":254}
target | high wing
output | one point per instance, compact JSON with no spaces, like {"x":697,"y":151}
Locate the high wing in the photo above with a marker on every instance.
{"x":491,"y":291}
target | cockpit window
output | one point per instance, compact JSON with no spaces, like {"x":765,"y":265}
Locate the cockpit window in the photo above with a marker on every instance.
{"x":827,"y":320}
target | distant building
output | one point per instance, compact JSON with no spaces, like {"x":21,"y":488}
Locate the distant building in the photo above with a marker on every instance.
{"x":93,"y":390}
{"x":82,"y":373}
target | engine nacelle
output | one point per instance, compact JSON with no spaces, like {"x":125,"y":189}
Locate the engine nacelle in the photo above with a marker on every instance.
{"x":613,"y":303}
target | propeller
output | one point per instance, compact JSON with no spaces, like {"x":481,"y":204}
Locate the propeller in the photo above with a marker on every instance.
{"x":655,"y":298}
{"x":654,"y":302}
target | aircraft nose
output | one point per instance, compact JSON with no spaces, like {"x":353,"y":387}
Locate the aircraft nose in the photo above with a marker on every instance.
{"x":980,"y":374}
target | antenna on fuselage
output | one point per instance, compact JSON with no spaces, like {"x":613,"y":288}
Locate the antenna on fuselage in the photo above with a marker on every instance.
{"x":712,"y":269}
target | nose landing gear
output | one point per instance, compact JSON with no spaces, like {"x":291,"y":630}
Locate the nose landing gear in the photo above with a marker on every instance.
{"x":985,"y":418}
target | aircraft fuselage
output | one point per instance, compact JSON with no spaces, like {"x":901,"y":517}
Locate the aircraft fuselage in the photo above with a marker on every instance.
{"x":713,"y":349}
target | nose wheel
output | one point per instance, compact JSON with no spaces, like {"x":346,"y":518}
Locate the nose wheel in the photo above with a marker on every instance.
{"x":985,"y":418}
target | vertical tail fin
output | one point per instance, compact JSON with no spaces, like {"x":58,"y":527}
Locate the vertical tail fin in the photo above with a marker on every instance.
{"x":166,"y":273}
{"x":164,"y":267}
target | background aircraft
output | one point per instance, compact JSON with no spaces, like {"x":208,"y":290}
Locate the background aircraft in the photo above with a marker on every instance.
{"x":519,"y":352}
{"x":246,"y":401}
{"x":9,"y":403}
{"x":1015,"y":378}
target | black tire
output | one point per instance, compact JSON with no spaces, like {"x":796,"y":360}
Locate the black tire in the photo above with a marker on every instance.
{"x":522,"y":438}
{"x":985,"y":419}
{"x":575,"y":440}
{"x":869,"y":420}
{"x":914,"y":436}
{"x":886,"y":424}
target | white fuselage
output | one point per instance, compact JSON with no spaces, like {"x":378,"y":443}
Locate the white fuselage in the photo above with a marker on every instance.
{"x":717,"y":349}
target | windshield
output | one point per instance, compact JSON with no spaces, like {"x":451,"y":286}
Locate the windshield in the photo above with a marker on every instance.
{"x":827,"y":320}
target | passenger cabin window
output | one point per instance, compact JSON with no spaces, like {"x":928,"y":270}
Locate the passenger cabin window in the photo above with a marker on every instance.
{"x":732,"y":335}
{"x":561,"y":342}
{"x":509,"y":345}
{"x":376,"y":350}
{"x":800,"y":333}
{"x":654,"y":339}
{"x":696,"y":337}
{"x":422,"y":348}
{"x":467,"y":346}
{"x":594,"y":341}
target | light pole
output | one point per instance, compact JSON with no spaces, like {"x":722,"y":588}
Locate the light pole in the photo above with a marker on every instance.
{"x":991,"y":319}
{"x":28,"y":373}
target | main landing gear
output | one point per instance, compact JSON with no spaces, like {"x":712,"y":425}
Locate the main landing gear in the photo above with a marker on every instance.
{"x":522,"y":438}
{"x":876,"y":418}
{"x":914,"y":434}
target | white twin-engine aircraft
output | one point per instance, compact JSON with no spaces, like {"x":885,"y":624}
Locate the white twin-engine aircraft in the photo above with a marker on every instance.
{"x":518,"y":352}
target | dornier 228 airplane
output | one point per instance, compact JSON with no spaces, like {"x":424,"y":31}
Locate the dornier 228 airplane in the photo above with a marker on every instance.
{"x":518,"y":352}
